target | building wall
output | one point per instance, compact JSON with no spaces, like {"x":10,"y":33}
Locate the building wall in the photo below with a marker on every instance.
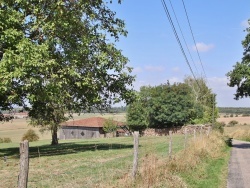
{"x":67,"y":132}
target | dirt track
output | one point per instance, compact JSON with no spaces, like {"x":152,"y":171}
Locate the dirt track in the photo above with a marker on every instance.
{"x":239,"y":166}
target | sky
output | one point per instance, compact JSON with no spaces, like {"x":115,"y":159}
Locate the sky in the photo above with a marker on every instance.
{"x":218,"y":28}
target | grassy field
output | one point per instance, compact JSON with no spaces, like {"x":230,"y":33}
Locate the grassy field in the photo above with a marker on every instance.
{"x":108,"y":163}
{"x":77,"y":163}
{"x":17,"y":127}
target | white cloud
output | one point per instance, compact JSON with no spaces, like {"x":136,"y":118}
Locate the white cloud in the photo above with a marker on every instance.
{"x":137,"y":70}
{"x":154,"y":68}
{"x":202,"y":47}
{"x":175,"y":69}
{"x":225,"y":94}
{"x":244,"y":24}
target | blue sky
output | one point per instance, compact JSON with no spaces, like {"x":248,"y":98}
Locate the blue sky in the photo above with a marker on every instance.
{"x":154,"y":52}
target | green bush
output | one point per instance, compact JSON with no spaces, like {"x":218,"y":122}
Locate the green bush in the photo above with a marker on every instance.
{"x":245,"y":115}
{"x":231,"y":115}
{"x":232,"y":123}
{"x":31,"y":136}
{"x":219,"y":126}
{"x":5,"y":140}
{"x":228,"y":141}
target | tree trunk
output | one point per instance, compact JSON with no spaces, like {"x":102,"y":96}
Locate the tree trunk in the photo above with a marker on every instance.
{"x":54,"y":137}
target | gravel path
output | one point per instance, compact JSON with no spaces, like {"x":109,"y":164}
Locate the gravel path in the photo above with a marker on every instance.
{"x":239,"y":165}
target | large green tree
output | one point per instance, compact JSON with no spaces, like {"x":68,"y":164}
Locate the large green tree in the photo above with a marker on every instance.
{"x":137,"y":119}
{"x":59,"y":56}
{"x":170,"y":105}
{"x":162,"y":106}
{"x":205,"y":100}
{"x":240,"y":75}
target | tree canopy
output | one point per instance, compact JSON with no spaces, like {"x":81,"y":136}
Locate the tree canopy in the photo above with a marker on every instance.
{"x":161,"y":106}
{"x":204,"y":100}
{"x":59,"y":56}
{"x":240,"y":75}
{"x":169,"y":105}
{"x":110,"y":126}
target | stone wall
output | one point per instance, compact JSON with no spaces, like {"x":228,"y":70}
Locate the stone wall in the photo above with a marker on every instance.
{"x":161,"y":132}
{"x":176,"y":130}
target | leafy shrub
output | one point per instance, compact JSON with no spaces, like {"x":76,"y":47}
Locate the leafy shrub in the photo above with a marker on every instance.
{"x":245,"y":115}
{"x":31,"y":136}
{"x":219,"y":126}
{"x":5,"y":140}
{"x":228,"y":141}
{"x":109,"y":126}
{"x":236,"y":115}
{"x":231,"y":115}
{"x":222,"y":123}
{"x":232,"y":123}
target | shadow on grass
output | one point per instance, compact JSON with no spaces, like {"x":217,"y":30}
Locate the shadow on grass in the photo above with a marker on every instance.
{"x":63,"y":149}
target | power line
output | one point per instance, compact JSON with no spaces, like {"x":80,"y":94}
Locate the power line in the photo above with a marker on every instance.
{"x":194,"y":40}
{"x":177,"y":38}
{"x":183,"y":36}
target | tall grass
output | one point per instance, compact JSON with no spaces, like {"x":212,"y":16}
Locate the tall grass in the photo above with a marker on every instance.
{"x":240,"y":132}
{"x":177,"y":171}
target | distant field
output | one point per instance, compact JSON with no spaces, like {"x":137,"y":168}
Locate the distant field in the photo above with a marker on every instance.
{"x":17,"y":127}
{"x":116,"y":116}
{"x":241,"y":120}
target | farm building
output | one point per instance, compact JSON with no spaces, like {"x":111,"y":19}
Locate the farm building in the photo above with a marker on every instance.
{"x":86,"y":128}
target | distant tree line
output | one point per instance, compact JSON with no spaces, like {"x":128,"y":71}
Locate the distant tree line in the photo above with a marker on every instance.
{"x":233,"y":110}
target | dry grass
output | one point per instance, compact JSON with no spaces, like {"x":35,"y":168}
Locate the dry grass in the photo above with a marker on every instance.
{"x":156,"y":172}
{"x":16,"y":128}
{"x":241,"y":132}
{"x":241,"y":120}
{"x":116,"y":116}
{"x":198,"y":150}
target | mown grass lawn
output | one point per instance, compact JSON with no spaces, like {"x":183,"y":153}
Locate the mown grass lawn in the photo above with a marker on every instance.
{"x":81,"y":163}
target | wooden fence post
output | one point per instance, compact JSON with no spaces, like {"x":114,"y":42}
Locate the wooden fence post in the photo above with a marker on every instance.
{"x":185,"y":141}
{"x":135,"y":162}
{"x":24,"y":164}
{"x":208,"y":131}
{"x":170,"y":145}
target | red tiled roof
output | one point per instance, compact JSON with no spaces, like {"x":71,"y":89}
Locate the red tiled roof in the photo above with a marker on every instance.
{"x":89,"y":122}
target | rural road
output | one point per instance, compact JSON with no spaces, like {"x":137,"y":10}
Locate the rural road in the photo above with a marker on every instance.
{"x":239,"y":165}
